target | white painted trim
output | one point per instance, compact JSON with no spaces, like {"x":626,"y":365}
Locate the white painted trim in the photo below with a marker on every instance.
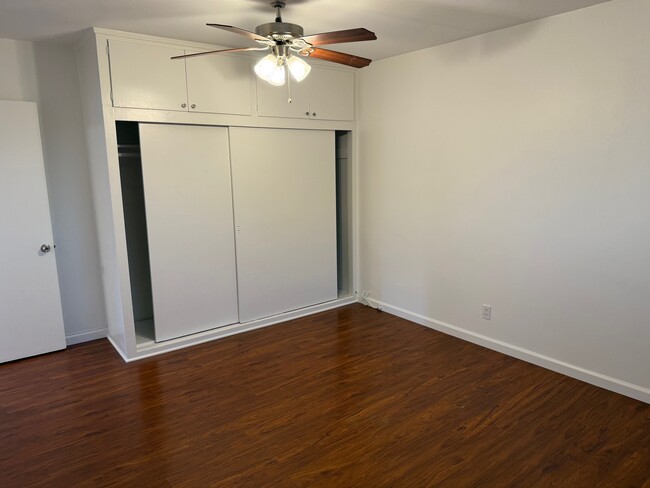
{"x":119,"y":351}
{"x":85,"y":336}
{"x":613,"y":384}
{"x":182,"y":342}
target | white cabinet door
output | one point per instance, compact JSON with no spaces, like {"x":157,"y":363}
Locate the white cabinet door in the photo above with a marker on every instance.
{"x":145,"y":76}
{"x":273,"y":101}
{"x":219,"y":84}
{"x":31,"y":321}
{"x":188,"y":199}
{"x":285,"y":214}
{"x":326,"y":94}
{"x":331,"y":94}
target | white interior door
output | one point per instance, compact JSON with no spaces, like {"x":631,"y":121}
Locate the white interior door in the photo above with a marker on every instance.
{"x":188,"y":199}
{"x":31,"y":321}
{"x":285,"y":215}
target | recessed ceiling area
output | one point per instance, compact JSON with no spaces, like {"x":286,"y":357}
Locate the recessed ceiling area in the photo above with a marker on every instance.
{"x":403,"y":26}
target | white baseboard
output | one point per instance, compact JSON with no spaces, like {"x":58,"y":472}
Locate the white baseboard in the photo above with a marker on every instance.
{"x":85,"y":336}
{"x":117,"y":349}
{"x":624,"y":388}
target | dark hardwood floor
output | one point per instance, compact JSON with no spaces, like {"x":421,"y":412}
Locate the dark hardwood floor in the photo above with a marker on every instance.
{"x":349,"y":397}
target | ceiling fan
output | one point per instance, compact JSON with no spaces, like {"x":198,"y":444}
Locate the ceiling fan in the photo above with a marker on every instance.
{"x":288,"y":43}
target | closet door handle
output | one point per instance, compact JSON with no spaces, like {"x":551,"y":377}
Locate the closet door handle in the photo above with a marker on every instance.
{"x":183,"y":105}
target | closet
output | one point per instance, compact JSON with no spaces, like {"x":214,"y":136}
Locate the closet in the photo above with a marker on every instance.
{"x":209,"y":248}
{"x":219,"y":210}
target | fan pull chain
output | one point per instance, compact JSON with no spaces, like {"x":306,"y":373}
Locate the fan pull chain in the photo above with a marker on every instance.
{"x":289,"y":100}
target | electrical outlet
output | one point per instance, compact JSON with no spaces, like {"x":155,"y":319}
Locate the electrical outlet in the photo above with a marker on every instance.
{"x":487,"y":312}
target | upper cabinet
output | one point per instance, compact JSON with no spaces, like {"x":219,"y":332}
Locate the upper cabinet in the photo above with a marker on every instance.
{"x":331,"y":94}
{"x":290,"y":100}
{"x":144,"y":76}
{"x":326,"y":94}
{"x":219,"y":84}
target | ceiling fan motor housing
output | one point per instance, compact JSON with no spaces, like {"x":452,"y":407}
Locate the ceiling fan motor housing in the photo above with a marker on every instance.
{"x":279,"y":31}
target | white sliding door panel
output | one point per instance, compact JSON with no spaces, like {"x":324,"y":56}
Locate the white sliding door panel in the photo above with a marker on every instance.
{"x":285,"y":213}
{"x":31,"y":321}
{"x":188,"y":199}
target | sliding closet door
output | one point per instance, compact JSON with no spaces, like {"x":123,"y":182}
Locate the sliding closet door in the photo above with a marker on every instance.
{"x":188,"y":198}
{"x":285,"y":215}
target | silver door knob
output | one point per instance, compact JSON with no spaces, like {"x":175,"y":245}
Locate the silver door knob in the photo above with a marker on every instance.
{"x":193,"y":105}
{"x":45,"y":248}
{"x":183,"y":105}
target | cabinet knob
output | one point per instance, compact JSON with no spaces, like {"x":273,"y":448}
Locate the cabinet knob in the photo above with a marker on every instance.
{"x":314,"y":114}
{"x":45,"y":248}
{"x":193,"y":105}
{"x":307,"y":114}
{"x":183,"y":105}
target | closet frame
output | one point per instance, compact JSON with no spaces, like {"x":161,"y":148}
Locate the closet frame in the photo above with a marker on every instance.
{"x":100,"y":119}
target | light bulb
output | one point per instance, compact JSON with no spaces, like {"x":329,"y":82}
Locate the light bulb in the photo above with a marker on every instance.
{"x":299,"y":69}
{"x":266,"y":66}
{"x":278,"y":77}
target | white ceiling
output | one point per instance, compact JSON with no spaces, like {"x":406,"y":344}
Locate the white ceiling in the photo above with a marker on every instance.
{"x":401,"y":25}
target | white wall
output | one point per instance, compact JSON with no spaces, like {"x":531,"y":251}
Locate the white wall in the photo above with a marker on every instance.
{"x":46,"y":73}
{"x":513,"y":169}
{"x":18,"y":73}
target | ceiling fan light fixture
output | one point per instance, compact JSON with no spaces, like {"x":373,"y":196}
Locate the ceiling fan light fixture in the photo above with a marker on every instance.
{"x":286,"y":39}
{"x":299,"y":68}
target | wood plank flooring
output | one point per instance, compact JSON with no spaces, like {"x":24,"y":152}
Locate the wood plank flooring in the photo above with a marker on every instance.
{"x":346,"y":398}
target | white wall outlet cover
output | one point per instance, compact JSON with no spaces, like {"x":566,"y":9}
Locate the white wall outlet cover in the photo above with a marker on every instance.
{"x":487,"y":312}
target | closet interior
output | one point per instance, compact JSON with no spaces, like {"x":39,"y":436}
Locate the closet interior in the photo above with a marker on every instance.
{"x":135,"y":226}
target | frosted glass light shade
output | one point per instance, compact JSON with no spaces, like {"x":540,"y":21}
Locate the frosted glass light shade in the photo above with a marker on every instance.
{"x":278,"y":77}
{"x":266,"y":66}
{"x":299,"y":68}
{"x":271,"y":69}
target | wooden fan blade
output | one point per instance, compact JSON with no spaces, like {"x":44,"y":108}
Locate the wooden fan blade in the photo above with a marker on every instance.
{"x":235,"y":50}
{"x":242,"y":32}
{"x":336,"y":37}
{"x":337,"y":57}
